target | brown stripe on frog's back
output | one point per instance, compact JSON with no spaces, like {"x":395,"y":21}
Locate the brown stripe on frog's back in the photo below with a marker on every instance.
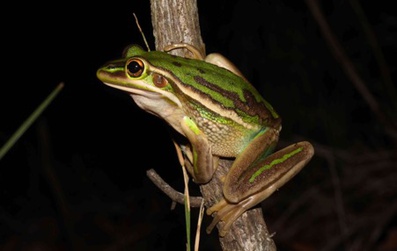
{"x":267,"y":116}
{"x":177,"y":64}
{"x":250,"y":106}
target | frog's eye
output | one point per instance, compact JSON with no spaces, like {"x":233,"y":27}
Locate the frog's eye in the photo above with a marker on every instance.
{"x":135,"y":67}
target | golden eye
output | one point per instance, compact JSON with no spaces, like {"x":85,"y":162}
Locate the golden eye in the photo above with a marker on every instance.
{"x":135,"y":67}
{"x":159,"y":80}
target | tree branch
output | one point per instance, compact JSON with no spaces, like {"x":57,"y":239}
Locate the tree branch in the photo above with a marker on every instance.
{"x":176,"y":21}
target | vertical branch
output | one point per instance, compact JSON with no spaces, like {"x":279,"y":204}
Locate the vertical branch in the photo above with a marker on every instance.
{"x":176,"y":21}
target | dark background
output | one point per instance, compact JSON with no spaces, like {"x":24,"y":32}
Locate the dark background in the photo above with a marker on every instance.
{"x":77,"y":179}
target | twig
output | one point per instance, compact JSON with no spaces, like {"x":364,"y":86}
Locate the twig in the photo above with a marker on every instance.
{"x":379,"y":56}
{"x":199,"y":221}
{"x":338,"y":195}
{"x":349,"y":68}
{"x":195,"y":201}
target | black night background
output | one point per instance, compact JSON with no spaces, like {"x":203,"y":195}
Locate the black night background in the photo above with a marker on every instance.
{"x":76,"y":180}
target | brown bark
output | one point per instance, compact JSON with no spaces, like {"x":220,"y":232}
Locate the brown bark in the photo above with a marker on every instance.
{"x":176,"y":21}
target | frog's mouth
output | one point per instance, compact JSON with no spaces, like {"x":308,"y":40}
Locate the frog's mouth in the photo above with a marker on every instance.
{"x":150,"y":92}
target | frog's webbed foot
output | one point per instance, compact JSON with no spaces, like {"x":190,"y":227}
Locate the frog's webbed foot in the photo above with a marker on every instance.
{"x":227,"y":213}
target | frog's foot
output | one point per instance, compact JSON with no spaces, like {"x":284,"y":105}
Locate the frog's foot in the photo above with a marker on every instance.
{"x":227,"y":213}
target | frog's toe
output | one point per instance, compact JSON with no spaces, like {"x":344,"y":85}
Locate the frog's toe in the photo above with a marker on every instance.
{"x":226,"y":215}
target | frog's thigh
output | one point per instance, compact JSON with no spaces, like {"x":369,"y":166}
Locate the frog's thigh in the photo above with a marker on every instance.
{"x":268,"y":174}
{"x":237,"y":184}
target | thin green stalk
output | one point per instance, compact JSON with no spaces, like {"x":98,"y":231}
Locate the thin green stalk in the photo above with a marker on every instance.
{"x":28,"y":122}
{"x":187,"y":208}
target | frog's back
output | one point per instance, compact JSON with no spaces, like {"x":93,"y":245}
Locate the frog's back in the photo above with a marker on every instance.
{"x":218,"y":86}
{"x":227,"y":108}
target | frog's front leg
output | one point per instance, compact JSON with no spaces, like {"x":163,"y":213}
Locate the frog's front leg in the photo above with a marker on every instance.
{"x":255,"y":175}
{"x":201,"y":163}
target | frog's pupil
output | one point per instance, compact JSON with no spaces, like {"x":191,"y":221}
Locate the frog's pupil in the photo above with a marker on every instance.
{"x":134,"y":67}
